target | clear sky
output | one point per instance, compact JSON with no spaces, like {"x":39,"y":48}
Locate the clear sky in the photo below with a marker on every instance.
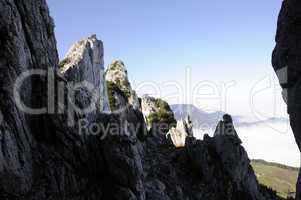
{"x":224,"y":44}
{"x":220,"y":41}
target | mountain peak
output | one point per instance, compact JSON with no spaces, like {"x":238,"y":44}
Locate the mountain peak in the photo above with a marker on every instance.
{"x":89,"y":49}
{"x":117,"y":77}
{"x":84,"y":62}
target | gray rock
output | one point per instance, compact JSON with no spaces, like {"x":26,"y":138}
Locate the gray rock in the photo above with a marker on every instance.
{"x":179,"y":134}
{"x":117,"y":75}
{"x":156,"y":190}
{"x":84,"y":67}
{"x":157,"y":113}
{"x":287,"y":59}
{"x":27,"y":42}
{"x":225,"y":127}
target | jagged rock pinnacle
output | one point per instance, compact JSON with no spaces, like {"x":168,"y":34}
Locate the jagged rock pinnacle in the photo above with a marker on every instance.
{"x":157,"y":111}
{"x":117,"y":76}
{"x":84,"y":62}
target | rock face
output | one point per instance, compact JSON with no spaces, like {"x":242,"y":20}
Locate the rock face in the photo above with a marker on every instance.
{"x":286,"y":61}
{"x":212,"y":169}
{"x":179,"y":134}
{"x":117,"y":78}
{"x":106,"y":156}
{"x":157,"y":112}
{"x":235,"y":165}
{"x":40,"y":156}
{"x":225,"y":127}
{"x":26,"y":29}
{"x":84,"y":66}
{"x":188,"y":125}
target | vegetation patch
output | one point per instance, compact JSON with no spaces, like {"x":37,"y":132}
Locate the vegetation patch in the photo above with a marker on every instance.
{"x":116,"y":65}
{"x":113,"y":67}
{"x":280,"y":178}
{"x":123,"y":84}
{"x":112,"y":89}
{"x":162,"y":105}
{"x":124,"y":87}
{"x":164,"y":114}
{"x":64,"y":62}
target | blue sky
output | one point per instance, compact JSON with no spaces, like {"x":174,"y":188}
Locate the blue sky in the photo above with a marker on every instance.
{"x":220,"y":41}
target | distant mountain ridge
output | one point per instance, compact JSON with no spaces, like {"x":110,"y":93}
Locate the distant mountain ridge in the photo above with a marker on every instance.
{"x":199,"y":117}
{"x":203,"y":119}
{"x":260,"y":161}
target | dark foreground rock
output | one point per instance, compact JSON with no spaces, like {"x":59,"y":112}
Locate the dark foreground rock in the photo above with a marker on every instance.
{"x":214,"y":168}
{"x":287,"y":63}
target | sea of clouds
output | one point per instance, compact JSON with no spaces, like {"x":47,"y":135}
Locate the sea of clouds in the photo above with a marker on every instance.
{"x":273,"y":142}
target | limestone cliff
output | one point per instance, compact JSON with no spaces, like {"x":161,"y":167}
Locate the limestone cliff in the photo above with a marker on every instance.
{"x":179,"y":134}
{"x":84,"y":65}
{"x":156,"y":112}
{"x":41,"y":157}
{"x":27,"y":42}
{"x":117,"y":78}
